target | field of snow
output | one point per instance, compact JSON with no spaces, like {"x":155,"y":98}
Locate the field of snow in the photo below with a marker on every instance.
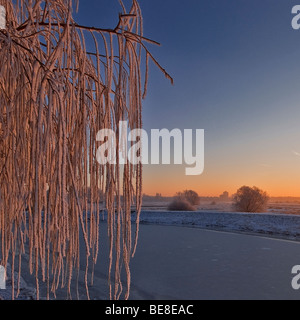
{"x":282,"y":219}
{"x":269,"y":224}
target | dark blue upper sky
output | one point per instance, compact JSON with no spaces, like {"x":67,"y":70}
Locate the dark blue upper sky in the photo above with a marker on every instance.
{"x":236,"y":66}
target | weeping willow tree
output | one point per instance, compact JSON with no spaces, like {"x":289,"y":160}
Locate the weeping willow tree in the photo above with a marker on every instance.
{"x":55,"y":96}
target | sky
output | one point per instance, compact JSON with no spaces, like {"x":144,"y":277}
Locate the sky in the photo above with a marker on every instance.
{"x":236,"y":70}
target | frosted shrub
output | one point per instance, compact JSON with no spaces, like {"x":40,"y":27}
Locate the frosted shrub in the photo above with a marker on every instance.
{"x":250,"y":200}
{"x":185,"y":201}
{"x":180,"y":205}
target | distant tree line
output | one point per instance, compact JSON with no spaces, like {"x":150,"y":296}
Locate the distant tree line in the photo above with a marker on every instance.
{"x":246,"y":199}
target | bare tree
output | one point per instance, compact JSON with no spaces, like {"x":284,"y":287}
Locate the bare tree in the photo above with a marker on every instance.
{"x":250,"y":200}
{"x":55,"y":95}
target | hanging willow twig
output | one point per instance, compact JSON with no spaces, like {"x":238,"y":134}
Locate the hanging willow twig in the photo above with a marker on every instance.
{"x":54,"y":98}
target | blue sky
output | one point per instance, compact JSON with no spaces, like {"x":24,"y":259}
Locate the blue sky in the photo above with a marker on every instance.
{"x":236,"y":66}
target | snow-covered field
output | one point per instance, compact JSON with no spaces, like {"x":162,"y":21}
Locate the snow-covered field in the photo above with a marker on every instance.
{"x":282,"y":219}
{"x":270,"y":224}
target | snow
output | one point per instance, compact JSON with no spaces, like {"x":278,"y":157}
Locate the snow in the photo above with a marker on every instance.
{"x":274,"y":225}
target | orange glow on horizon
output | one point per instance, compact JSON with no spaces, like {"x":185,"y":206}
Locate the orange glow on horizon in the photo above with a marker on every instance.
{"x":167,"y":180}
